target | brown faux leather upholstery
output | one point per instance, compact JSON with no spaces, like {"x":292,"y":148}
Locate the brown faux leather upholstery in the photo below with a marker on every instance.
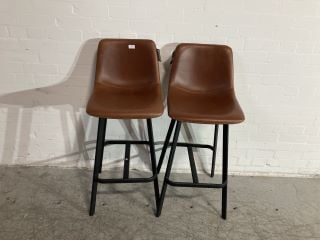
{"x":127,"y":82}
{"x":201,"y":85}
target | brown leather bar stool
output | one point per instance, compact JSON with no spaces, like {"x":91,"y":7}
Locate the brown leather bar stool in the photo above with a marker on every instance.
{"x":201,"y":90}
{"x":127,"y":86}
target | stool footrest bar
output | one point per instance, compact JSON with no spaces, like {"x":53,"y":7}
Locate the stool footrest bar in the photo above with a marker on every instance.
{"x":128,"y":180}
{"x":111,"y":142}
{"x":196,"y":185}
{"x":180,"y":144}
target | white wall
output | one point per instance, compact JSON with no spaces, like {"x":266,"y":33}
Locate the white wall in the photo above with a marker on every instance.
{"x":47,"y":50}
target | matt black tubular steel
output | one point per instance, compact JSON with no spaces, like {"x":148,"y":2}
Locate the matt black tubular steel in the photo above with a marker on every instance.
{"x":126,"y":165}
{"x":101,"y":142}
{"x":141,"y":142}
{"x":153,"y":161}
{"x":225,"y":170}
{"x":101,"y":161}
{"x":215,"y":141}
{"x":197,"y":185}
{"x":97,"y":162}
{"x":129,"y":180}
{"x":165,"y":145}
{"x":111,"y":142}
{"x":223,"y":184}
{"x":179,"y":144}
{"x":193,"y":166}
{"x":169,"y":166}
{"x":126,"y":162}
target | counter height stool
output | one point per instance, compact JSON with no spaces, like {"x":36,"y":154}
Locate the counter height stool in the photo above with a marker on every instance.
{"x":127,"y":86}
{"x":201,"y":90}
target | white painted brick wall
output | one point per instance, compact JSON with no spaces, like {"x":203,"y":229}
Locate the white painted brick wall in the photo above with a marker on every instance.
{"x":47,"y":53}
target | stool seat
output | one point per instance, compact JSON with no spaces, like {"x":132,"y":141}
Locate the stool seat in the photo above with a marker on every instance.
{"x":220,"y":107}
{"x":121,"y":103}
{"x":201,"y":85}
{"x":201,"y":90}
{"x":127,"y":83}
{"x":127,"y":86}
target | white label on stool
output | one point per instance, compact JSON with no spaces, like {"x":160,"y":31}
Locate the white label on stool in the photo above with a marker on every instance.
{"x":132,"y":46}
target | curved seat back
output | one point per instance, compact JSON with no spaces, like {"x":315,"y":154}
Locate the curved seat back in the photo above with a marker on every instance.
{"x":127,"y":63}
{"x":202,"y":67}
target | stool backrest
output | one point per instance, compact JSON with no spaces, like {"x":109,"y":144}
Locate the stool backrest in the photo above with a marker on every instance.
{"x":127,"y":63}
{"x":202,"y":67}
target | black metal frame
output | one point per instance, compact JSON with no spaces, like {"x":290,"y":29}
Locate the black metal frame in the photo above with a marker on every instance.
{"x":195,"y":182}
{"x":101,"y":143}
{"x":189,"y":146}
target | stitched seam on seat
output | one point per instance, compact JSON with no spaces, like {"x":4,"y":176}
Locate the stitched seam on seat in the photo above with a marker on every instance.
{"x":110,"y":85}
{"x":208,"y":92}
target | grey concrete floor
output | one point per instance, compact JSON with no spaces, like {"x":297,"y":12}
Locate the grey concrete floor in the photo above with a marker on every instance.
{"x":51,"y":203}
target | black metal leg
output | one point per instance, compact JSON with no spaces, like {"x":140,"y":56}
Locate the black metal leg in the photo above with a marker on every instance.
{"x":165,"y":144}
{"x":193,"y":166}
{"x":214,"y":153}
{"x":97,"y":162}
{"x":126,"y":161}
{"x":153,"y":161}
{"x":169,"y":166}
{"x":225,"y":169}
{"x":100,"y":166}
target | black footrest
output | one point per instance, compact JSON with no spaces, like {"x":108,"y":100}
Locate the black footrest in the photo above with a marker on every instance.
{"x":111,"y":142}
{"x":128,"y":180}
{"x":195,"y":145}
{"x":196,"y":185}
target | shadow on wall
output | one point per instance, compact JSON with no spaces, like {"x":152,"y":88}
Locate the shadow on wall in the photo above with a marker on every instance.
{"x":69,"y":98}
